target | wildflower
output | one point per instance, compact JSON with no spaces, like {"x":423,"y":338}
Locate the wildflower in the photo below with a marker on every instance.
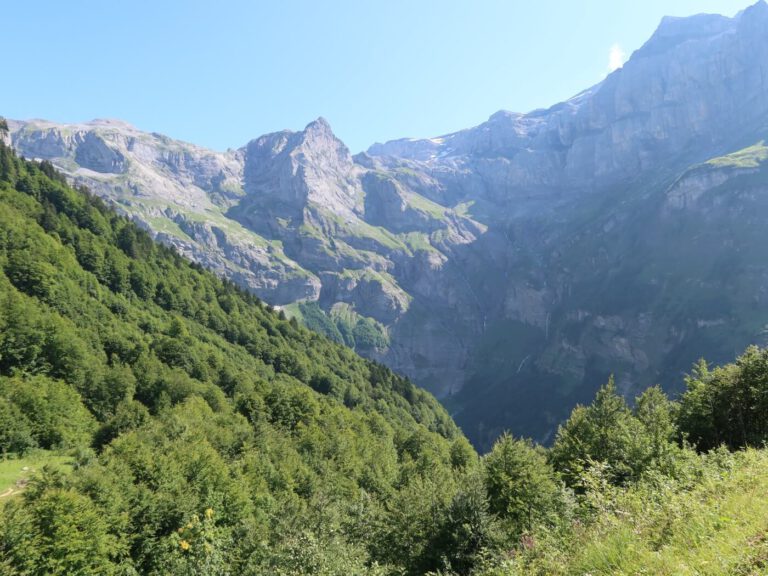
{"x":184,"y":545}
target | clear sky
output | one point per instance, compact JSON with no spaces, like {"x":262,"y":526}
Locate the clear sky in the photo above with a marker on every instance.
{"x":220,"y":72}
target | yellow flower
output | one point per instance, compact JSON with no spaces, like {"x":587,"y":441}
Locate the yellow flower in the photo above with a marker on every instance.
{"x":209,"y":513}
{"x":184,"y":545}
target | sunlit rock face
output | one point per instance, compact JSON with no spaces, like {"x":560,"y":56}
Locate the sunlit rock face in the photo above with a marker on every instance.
{"x":511,"y":266}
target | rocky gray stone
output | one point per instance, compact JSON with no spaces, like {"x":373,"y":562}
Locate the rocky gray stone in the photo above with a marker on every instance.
{"x":515,"y":264}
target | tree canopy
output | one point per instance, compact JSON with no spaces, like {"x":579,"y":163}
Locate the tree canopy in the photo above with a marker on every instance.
{"x":209,"y":435}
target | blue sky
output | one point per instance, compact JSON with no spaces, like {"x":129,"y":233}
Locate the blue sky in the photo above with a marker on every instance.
{"x":219,"y":73}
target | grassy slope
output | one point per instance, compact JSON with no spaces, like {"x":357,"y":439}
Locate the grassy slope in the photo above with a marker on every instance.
{"x":205,"y":399}
{"x":717,"y":528}
{"x":12,"y":470}
{"x":750,"y":157}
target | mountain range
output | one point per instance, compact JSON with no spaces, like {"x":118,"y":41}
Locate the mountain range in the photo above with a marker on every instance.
{"x":509,"y":268}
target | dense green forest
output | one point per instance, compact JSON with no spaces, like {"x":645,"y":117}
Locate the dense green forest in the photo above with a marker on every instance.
{"x":207,"y":434}
{"x":342,"y":325}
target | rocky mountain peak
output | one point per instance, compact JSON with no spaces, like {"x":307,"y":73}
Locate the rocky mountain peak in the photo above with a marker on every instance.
{"x":674,"y":31}
{"x":758,"y":8}
{"x":529,"y":224}
{"x":319,"y":126}
{"x":753,"y":20}
{"x":319,"y":145}
{"x":286,"y":172}
{"x":316,"y":142}
{"x":627,"y":123}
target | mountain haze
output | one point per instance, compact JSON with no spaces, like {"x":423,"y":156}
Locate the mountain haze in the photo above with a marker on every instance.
{"x":511,"y":267}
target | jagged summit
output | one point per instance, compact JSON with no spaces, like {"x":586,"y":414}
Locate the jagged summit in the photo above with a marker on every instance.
{"x":319,"y":135}
{"x":494,"y":263}
{"x":635,"y":117}
{"x":503,"y":115}
{"x":673,"y":31}
{"x":759,"y":7}
{"x":319,"y":125}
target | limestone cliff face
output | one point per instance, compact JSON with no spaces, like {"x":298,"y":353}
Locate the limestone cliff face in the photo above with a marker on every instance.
{"x":291,"y":215}
{"x":513,"y":265}
{"x":613,"y":245}
{"x":178,"y":191}
{"x":358,"y":227}
{"x":697,"y":85}
{"x":287,"y":170}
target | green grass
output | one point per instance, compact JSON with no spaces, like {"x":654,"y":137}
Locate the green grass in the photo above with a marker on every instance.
{"x":417,"y":241}
{"x":346,"y":319}
{"x":232,"y":188}
{"x":213,"y":216}
{"x":383,"y":278}
{"x":750,"y":157}
{"x":406,"y":171}
{"x":708,"y":531}
{"x":161,"y":224}
{"x":425,"y":205}
{"x":293,"y":310}
{"x":464,"y":208}
{"x":717,"y":528}
{"x":378,"y":234}
{"x":12,"y":470}
{"x":364,"y":274}
{"x":236,"y":233}
{"x":359,"y":229}
{"x":344,"y":312}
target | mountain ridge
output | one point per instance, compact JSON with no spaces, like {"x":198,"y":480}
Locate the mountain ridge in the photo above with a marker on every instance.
{"x":157,"y":419}
{"x":488,"y":260}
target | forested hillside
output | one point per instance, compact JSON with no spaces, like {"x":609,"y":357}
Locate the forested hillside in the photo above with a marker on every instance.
{"x":209,"y":433}
{"x":510,"y":267}
{"x":205,"y":434}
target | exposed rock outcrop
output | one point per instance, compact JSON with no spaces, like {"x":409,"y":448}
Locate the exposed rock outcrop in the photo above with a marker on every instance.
{"x":516,"y":264}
